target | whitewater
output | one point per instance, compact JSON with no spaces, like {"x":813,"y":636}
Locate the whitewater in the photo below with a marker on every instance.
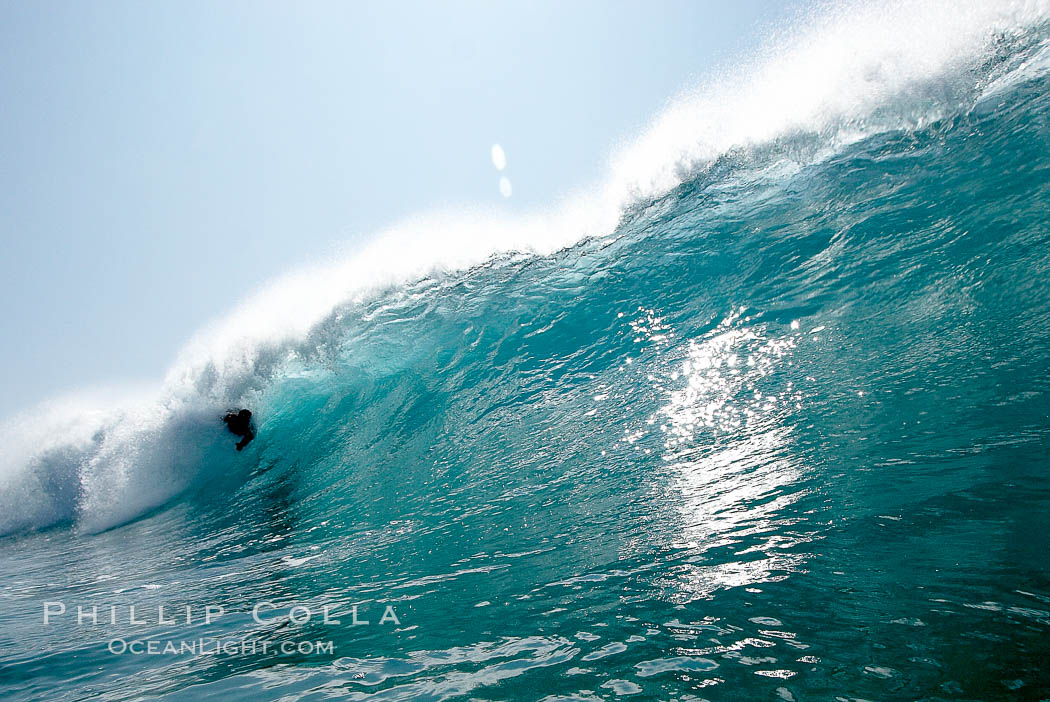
{"x":762,"y":415}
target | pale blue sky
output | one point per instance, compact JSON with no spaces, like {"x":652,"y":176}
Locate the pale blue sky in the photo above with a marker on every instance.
{"x":159,"y":161}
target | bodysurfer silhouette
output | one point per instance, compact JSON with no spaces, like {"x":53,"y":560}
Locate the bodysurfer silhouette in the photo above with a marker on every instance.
{"x":239,"y":422}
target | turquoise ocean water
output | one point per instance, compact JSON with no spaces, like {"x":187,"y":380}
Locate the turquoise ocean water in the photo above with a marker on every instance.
{"x":782,"y":433}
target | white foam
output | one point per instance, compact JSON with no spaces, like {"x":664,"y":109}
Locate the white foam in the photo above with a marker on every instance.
{"x":847,"y":73}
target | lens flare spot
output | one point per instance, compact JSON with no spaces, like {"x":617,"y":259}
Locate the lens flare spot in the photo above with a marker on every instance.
{"x":499,"y":157}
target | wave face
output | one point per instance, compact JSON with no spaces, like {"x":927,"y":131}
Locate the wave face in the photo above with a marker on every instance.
{"x":778,"y":430}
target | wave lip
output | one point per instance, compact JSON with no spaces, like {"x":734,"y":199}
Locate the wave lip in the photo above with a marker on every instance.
{"x":842,"y":75}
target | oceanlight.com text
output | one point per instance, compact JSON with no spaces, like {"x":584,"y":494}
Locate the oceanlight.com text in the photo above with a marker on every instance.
{"x":216,"y":647}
